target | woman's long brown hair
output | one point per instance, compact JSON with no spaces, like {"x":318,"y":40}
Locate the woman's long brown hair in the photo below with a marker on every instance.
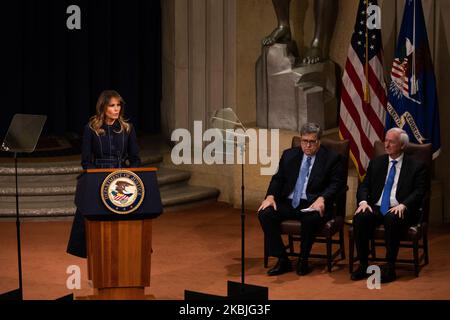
{"x":96,"y":122}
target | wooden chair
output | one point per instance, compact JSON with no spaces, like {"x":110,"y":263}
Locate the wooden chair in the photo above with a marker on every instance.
{"x":335,"y":226}
{"x":416,"y":237}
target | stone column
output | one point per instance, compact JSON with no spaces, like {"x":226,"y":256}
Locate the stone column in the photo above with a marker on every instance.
{"x":199,"y":61}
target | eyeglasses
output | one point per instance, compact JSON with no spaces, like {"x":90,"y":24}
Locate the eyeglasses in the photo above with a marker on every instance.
{"x":308,"y":142}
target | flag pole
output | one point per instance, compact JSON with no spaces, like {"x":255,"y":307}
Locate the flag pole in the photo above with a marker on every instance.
{"x":413,"y":78}
{"x":367,"y":88}
{"x":396,"y":26}
{"x":434,"y":35}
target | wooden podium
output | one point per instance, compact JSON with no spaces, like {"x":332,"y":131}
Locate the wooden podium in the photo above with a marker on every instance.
{"x":119,"y":258}
{"x":119,"y":247}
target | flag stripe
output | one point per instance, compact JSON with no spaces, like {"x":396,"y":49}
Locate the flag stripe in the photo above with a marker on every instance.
{"x":357,"y":84}
{"x":353,"y":147}
{"x":351,"y":132}
{"x":357,"y":72}
{"x":366,"y":144}
{"x":377,"y":70}
{"x":356,"y":100}
{"x":379,"y":98}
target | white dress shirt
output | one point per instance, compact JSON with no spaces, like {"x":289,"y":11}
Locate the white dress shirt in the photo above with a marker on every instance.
{"x":393,"y":200}
{"x":398,"y":167}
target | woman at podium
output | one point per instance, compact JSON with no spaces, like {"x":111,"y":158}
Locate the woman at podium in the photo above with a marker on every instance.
{"x":109,"y":141}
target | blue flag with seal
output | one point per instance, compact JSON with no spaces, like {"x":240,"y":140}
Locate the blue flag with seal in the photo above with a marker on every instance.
{"x":412,"y":96}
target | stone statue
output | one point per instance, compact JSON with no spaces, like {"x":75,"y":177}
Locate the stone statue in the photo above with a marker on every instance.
{"x":289,"y":94}
{"x":325,"y":14}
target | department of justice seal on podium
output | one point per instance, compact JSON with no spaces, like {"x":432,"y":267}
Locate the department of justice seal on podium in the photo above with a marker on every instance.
{"x":122,"y":192}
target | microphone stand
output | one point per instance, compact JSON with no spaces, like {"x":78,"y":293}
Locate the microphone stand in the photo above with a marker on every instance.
{"x":16,"y":294}
{"x":242,"y":146}
{"x":19,"y":251}
{"x":242,"y":290}
{"x":22,"y":136}
{"x":235,"y":290}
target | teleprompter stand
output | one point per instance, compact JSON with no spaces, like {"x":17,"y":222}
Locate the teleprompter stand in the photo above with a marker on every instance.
{"x":227,"y":122}
{"x":22,"y":137}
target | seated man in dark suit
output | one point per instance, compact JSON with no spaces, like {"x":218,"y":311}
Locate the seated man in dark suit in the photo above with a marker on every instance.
{"x":307,"y":177}
{"x":390,"y":194}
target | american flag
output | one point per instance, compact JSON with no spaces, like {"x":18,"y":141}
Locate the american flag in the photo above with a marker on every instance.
{"x":363,"y":97}
{"x":399,"y":76}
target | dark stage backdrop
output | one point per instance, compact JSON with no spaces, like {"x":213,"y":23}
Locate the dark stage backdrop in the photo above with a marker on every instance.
{"x":49,"y":69}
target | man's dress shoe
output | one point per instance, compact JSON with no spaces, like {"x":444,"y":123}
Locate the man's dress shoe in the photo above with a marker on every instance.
{"x":360,"y":273}
{"x":282,"y":266}
{"x":302,"y":268}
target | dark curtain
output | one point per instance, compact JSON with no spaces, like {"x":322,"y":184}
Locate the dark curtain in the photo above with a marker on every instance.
{"x":49,"y":69}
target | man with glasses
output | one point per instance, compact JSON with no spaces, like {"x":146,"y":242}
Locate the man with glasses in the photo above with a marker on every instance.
{"x":304,"y":187}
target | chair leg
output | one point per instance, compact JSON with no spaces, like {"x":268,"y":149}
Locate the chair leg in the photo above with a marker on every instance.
{"x":351,"y":253}
{"x":329,"y":254}
{"x":416,"y":257}
{"x":373,"y":249}
{"x":341,"y":243}
{"x":266,"y":255}
{"x":291,"y":244}
{"x":425,"y":247}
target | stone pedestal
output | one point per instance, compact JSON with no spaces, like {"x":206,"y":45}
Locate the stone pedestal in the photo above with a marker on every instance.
{"x":289,"y":96}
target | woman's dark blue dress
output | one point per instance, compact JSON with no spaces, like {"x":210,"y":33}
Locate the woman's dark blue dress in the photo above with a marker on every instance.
{"x":110,"y":150}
